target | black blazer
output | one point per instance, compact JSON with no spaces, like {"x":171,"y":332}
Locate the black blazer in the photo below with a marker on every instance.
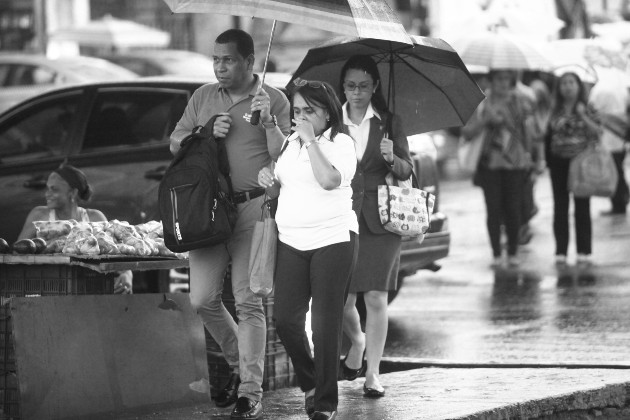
{"x":373,"y":168}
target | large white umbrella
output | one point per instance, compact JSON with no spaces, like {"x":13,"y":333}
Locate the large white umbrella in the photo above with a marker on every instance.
{"x":500,"y":51}
{"x":115,"y":33}
{"x":601,"y":57}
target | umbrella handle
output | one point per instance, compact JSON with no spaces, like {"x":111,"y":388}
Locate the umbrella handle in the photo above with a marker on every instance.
{"x":256,"y":114}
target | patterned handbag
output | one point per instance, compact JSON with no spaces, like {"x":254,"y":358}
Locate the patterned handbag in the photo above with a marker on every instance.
{"x":405,"y":211}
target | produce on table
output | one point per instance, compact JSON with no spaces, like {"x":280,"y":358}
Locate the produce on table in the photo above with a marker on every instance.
{"x":4,"y":247}
{"x":48,"y":230}
{"x":25,"y":246}
{"x":40,"y":244}
{"x":103,"y":238}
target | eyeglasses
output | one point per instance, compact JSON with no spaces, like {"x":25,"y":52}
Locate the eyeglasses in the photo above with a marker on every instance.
{"x":315,"y":84}
{"x":351,"y":86}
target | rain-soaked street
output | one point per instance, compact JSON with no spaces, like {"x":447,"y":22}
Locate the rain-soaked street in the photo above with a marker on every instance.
{"x":537,"y":314}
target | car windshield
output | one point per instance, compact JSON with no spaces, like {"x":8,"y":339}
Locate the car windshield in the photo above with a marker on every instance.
{"x":102,"y":72}
{"x":190,"y":66}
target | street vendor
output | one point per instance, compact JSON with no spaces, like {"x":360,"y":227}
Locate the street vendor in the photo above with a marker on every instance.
{"x":65,"y":188}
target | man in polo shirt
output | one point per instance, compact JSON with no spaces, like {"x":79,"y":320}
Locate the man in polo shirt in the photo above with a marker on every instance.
{"x":234,"y":98}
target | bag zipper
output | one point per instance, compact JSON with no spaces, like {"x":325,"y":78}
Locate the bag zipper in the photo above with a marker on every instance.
{"x":176,"y":230}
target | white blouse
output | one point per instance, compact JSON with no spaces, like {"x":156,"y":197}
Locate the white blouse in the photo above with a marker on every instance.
{"x":361,"y":132}
{"x":308,"y":216}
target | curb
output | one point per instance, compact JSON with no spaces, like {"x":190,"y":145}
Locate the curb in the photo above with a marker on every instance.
{"x":399,"y":364}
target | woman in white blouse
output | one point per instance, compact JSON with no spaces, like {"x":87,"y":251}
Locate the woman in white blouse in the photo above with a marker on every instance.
{"x":317,"y":240}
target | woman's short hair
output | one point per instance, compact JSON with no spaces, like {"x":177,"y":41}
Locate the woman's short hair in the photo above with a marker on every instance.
{"x":243,"y":40}
{"x":364,"y":63}
{"x":76,"y":179}
{"x":321,"y":94}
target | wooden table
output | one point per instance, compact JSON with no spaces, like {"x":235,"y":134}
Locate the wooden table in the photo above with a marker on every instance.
{"x":98,"y":263}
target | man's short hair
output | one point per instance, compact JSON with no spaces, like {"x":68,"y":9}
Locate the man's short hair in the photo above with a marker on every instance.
{"x":243,"y":40}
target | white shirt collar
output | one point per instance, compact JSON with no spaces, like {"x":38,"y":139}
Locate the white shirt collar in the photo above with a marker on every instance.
{"x":369,"y":113}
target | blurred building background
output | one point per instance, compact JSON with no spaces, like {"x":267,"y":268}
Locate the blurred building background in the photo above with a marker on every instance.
{"x":26,"y":25}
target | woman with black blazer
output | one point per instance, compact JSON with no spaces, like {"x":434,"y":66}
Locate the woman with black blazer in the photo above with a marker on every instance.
{"x":381,"y":147}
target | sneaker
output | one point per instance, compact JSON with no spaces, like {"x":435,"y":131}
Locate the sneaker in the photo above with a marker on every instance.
{"x":561,"y":260}
{"x":513,"y":261}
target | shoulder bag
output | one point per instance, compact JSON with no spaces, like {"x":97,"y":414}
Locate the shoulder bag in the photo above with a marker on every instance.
{"x":262,"y":256}
{"x":593,"y":173}
{"x":405,"y":211}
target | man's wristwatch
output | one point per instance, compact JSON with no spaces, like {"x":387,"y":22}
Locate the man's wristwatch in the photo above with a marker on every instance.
{"x":272,"y":124}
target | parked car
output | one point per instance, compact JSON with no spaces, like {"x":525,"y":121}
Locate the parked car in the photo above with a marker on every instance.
{"x":158,"y":62}
{"x":24,"y":75}
{"x":118,"y":134}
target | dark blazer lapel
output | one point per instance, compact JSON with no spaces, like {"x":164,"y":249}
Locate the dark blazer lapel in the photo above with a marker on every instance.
{"x":377,"y":131}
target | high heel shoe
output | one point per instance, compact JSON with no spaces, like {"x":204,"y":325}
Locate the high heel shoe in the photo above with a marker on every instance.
{"x":352,"y":374}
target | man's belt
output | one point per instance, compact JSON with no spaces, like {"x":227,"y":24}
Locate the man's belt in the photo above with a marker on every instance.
{"x":244,"y":196}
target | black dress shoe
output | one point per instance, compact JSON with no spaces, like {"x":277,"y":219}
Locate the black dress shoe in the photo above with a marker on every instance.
{"x":372,"y":393}
{"x":246,"y":408}
{"x":229,"y":394}
{"x":352,"y":374}
{"x":318,"y":415}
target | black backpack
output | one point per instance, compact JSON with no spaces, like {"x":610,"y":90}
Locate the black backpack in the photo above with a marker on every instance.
{"x":194,"y":196}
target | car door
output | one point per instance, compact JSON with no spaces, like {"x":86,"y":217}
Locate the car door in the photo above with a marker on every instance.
{"x":125,"y":148}
{"x":34,"y":139}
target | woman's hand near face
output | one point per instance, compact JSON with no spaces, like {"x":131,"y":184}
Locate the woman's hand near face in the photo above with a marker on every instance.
{"x":387,"y":150}
{"x":305,"y":129}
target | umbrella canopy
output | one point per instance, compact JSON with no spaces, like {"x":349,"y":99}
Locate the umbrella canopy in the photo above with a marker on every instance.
{"x":600,"y":57}
{"x":363,"y":18}
{"x":113,"y":33}
{"x":499,"y":51}
{"x":616,"y":30}
{"x":426,"y":83}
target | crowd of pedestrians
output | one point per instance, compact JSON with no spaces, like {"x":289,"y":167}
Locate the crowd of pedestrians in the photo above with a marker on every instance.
{"x":323,"y":161}
{"x":323,"y":157}
{"x":551,"y":121}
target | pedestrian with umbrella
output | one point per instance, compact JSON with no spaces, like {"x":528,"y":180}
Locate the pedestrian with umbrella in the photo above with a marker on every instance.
{"x":425,"y":83}
{"x":504,"y":125}
{"x":381,"y":149}
{"x":231,"y":102}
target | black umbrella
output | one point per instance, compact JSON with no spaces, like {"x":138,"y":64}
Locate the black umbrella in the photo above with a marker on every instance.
{"x":426,"y":83}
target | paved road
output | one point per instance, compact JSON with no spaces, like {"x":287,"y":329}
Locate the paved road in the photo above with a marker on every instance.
{"x":469,"y":313}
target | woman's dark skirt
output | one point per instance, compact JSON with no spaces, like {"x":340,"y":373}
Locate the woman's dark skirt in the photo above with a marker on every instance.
{"x":378,"y":262}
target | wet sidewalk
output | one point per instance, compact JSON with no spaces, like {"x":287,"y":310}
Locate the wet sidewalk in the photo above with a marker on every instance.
{"x":454,"y":393}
